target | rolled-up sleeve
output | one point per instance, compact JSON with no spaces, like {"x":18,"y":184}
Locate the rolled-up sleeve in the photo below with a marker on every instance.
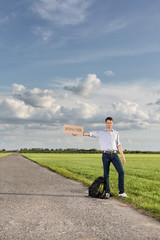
{"x":118,"y":141}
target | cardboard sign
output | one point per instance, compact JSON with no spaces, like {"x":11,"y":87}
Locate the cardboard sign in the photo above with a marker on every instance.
{"x":72,"y":129}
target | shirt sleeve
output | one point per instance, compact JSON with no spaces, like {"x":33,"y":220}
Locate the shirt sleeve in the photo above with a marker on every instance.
{"x":94,"y":134}
{"x":118,"y":141}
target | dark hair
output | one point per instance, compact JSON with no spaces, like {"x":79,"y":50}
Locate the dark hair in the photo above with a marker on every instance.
{"x":109,"y":118}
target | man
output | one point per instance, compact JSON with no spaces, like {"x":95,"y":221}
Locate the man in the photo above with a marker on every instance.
{"x":109,"y":144}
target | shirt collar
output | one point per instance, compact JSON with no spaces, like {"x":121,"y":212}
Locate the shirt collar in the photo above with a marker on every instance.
{"x":108,"y":131}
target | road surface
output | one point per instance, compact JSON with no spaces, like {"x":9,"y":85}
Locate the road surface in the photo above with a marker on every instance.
{"x":38,"y":204}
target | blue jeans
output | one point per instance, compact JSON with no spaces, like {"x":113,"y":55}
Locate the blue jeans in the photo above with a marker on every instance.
{"x":107,"y":159}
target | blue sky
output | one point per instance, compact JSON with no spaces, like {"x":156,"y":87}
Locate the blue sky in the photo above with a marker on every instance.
{"x":77,"y":62}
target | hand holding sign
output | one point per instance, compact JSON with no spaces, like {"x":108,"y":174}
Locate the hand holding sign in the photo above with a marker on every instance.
{"x":74,"y":130}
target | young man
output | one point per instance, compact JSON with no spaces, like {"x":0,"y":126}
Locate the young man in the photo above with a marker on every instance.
{"x":109,"y":144}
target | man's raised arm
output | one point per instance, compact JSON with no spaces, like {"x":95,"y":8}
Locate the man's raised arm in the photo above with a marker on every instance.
{"x":84,"y":134}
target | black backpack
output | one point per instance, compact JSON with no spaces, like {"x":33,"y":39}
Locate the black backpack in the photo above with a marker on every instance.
{"x":97,"y":189}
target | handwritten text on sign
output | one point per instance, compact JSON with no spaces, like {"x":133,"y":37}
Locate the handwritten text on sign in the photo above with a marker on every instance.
{"x":72,"y":129}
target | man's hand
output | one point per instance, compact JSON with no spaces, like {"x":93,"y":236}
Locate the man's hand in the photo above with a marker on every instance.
{"x":123,"y":160}
{"x":74,"y":134}
{"x":122,"y":154}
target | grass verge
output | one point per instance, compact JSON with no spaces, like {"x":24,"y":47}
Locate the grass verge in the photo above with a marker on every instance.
{"x":142,"y":175}
{"x":3,"y":154}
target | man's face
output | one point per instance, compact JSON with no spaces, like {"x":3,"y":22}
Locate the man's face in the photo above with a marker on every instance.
{"x":109,"y":124}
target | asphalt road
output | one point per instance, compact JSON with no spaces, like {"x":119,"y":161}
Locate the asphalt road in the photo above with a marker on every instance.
{"x":36,"y":203}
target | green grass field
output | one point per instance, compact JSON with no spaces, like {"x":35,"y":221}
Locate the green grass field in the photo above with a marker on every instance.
{"x":142,"y":175}
{"x":2,"y":154}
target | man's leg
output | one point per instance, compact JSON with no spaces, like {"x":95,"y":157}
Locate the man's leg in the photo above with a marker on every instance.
{"x":106,"y":165}
{"x":118,"y":166}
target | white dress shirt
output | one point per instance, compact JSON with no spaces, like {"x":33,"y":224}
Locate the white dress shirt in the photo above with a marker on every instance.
{"x":109,"y":140}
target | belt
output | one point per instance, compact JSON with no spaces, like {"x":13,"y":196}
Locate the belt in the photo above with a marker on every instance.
{"x":109,"y":152}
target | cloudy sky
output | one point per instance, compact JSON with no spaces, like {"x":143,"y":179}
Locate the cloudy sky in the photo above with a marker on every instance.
{"x":77,"y":62}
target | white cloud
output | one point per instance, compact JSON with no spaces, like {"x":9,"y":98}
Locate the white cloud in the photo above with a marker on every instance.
{"x":81,"y":110}
{"x":35,"y":107}
{"x":18,"y":87}
{"x":43,"y":112}
{"x":109,"y":73}
{"x":62,"y":12}
{"x":63,"y":95}
{"x":128,"y":111}
{"x":128,"y":116}
{"x":42,"y":106}
{"x":13,"y":109}
{"x":140,"y":125}
{"x":37,"y":98}
{"x":17,"y":112}
{"x":88,"y":87}
{"x":154,"y":113}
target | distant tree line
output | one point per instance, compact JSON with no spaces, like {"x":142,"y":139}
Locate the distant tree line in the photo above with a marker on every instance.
{"x":73,"y":150}
{"x":59,"y":150}
{"x":76,"y":150}
{"x":3,"y":150}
